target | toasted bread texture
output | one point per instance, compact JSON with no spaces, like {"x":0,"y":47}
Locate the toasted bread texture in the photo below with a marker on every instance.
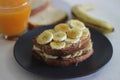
{"x":49,"y":16}
{"x":62,"y":62}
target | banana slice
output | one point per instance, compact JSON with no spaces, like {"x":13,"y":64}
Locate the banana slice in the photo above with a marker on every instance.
{"x":79,"y":53}
{"x":69,"y":40}
{"x":36,"y":48}
{"x":57,"y":45}
{"x":62,"y":27}
{"x":76,"y":24}
{"x":66,"y":57}
{"x":45,"y":37}
{"x":51,"y":30}
{"x":89,"y":46}
{"x":50,"y":56}
{"x":85,"y":33}
{"x":74,"y":33}
{"x":59,"y":36}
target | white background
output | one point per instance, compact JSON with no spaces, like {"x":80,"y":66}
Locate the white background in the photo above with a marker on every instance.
{"x":108,"y":10}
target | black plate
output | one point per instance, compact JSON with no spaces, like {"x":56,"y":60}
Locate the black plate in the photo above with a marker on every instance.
{"x":23,"y":54}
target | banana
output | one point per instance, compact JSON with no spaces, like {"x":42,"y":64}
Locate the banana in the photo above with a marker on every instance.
{"x":85,"y":33}
{"x":88,"y":7}
{"x":91,"y":21}
{"x":74,"y":33}
{"x":45,"y":37}
{"x":59,"y":36}
{"x":69,"y":40}
{"x":76,"y":54}
{"x":66,"y":57}
{"x":50,"y":56}
{"x":79,"y":53}
{"x":89,"y":46}
{"x":62,"y":27}
{"x":51,"y":30}
{"x":57,"y":45}
{"x":76,"y":24}
{"x":36,"y":48}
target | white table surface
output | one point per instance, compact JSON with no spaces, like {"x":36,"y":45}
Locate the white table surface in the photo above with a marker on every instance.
{"x":108,"y":10}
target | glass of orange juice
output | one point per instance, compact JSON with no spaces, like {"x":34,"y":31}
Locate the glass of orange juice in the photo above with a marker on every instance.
{"x":14,"y":16}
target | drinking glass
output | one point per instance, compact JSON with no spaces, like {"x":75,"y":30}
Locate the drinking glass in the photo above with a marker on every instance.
{"x":14,"y":16}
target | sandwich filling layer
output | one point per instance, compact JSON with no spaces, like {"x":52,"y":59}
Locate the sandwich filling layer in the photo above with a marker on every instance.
{"x":76,"y":54}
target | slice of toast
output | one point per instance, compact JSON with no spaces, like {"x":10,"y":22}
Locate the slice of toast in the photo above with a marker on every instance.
{"x":49,"y":16}
{"x":38,"y":5}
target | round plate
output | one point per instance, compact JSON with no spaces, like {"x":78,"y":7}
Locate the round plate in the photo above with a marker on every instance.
{"x":23,"y":54}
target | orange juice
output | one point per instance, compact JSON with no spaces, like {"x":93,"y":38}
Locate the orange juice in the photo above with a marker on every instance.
{"x":14,"y":16}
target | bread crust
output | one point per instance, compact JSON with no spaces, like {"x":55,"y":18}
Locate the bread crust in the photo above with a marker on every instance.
{"x":64,"y":62}
{"x":62,"y":20}
{"x":40,"y":8}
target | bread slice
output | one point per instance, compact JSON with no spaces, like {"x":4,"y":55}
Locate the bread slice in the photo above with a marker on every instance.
{"x":64,"y":62}
{"x":65,"y":51}
{"x":49,"y":16}
{"x":38,"y":5}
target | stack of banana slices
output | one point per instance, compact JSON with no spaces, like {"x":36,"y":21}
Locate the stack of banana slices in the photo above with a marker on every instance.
{"x":65,"y":44}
